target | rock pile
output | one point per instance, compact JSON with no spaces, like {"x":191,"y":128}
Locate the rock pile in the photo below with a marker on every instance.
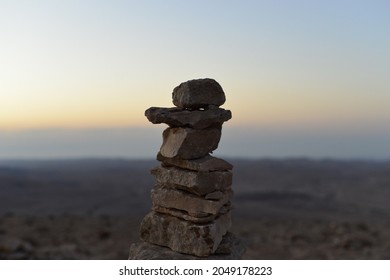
{"x":191,"y":212}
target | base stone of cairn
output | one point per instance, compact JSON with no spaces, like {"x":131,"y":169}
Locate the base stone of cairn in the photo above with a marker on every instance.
{"x":191,"y":214}
{"x":230,"y":248}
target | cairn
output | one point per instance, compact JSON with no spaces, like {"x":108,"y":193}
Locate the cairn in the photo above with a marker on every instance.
{"x":191,"y":213}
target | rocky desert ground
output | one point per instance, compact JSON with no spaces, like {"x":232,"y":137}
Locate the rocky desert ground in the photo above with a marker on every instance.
{"x":284,"y":209}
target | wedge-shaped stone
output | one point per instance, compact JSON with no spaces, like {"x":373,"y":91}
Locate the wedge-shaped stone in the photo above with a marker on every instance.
{"x":175,"y":117}
{"x":205,"y":164}
{"x":198,"y":93}
{"x":192,"y":204}
{"x":199,"y":183}
{"x":188,"y":143}
{"x":183,"y":236}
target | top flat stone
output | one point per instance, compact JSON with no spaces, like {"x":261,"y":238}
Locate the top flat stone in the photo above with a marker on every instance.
{"x":199,"y":93}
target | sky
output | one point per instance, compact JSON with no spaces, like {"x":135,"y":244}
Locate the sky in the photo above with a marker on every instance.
{"x":302,"y":78}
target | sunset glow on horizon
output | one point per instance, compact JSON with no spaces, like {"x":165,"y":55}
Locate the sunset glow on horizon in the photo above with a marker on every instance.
{"x":290,"y":64}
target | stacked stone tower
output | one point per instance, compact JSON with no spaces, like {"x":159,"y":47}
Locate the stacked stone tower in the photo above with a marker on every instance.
{"x":191,"y":212}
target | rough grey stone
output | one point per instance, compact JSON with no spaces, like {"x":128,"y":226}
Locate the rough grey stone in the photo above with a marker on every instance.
{"x":205,"y":164}
{"x":188,"y":143}
{"x":192,"y":204}
{"x":217,"y":195}
{"x":197,"y":219}
{"x":230,"y":248}
{"x":198,"y":93}
{"x":183,"y":236}
{"x":199,"y":183}
{"x":198,"y":119}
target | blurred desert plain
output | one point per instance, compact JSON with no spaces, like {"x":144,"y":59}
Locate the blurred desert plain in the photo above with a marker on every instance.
{"x":283,"y":209}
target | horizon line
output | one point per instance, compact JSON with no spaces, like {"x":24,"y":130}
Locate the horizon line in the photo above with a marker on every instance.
{"x":249,"y":158}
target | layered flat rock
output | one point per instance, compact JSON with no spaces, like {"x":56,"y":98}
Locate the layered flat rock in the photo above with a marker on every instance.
{"x":182,"y":236}
{"x":217,"y":195}
{"x":192,"y":204}
{"x":188,"y":143}
{"x":199,"y":183}
{"x":201,"y":219}
{"x":230,"y":248}
{"x":198,"y":93}
{"x":198,"y":218}
{"x":204,"y":164}
{"x":198,"y":119}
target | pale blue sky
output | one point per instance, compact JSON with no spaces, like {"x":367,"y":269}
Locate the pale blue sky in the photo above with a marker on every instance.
{"x":302,"y":78}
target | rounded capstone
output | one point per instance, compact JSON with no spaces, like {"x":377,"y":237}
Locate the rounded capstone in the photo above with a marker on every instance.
{"x":199,"y":93}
